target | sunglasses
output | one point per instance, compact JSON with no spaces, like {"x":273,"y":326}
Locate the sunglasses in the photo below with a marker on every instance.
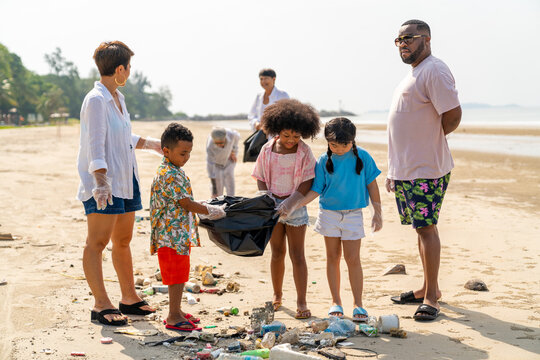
{"x":407,"y":39}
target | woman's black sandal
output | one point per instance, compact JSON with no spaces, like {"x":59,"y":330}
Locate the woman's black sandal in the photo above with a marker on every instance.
{"x":100,"y":316}
{"x":135,"y":309}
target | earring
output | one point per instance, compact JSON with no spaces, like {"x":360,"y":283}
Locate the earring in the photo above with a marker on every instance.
{"x":120,"y":84}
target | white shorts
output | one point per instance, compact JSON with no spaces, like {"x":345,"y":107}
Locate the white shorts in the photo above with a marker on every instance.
{"x":344,"y":224}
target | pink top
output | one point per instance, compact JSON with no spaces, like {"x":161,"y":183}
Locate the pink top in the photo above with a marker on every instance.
{"x":417,"y":147}
{"x":283,"y":173}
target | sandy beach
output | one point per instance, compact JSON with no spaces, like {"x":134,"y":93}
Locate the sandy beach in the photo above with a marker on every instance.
{"x":489,"y":228}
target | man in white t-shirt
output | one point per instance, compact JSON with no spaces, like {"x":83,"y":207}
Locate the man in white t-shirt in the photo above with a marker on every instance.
{"x":271,"y":94}
{"x":425,"y":108}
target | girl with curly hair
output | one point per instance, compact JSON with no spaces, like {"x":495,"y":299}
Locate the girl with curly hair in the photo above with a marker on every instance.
{"x":285,"y":170}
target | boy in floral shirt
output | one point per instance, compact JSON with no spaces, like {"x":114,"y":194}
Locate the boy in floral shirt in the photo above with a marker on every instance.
{"x":174,"y":226}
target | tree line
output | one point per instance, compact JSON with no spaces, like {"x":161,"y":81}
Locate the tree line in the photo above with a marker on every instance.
{"x":24,"y":93}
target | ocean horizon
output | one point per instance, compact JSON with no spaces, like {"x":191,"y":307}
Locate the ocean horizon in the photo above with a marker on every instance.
{"x":491,"y":117}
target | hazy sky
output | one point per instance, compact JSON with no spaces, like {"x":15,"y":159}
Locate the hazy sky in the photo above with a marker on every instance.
{"x":209,"y":52}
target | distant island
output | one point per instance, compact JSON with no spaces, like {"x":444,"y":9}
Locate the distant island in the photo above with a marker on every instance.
{"x":240,"y":116}
{"x":328,"y":113}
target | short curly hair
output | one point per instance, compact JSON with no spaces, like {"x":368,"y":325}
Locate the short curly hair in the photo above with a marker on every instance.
{"x":174,"y":133}
{"x":291,"y":114}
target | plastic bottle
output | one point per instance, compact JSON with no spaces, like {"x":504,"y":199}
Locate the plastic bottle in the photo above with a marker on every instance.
{"x":230,"y":310}
{"x":268,"y":340}
{"x":191,"y":299}
{"x":263,"y":353}
{"x":164,"y":289}
{"x":341,"y":327}
{"x":224,"y":356}
{"x":234,"y":347}
{"x":285,"y":352}
{"x":192,"y":287}
{"x":274,"y":326}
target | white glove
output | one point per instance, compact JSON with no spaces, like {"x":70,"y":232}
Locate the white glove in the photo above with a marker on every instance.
{"x":215,"y":212}
{"x":376,"y":220}
{"x":102,"y":190}
{"x":153,"y":146}
{"x":290,"y":204}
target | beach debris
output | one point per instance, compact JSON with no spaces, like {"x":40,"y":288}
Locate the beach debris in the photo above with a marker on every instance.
{"x":139,"y":281}
{"x":6,"y":237}
{"x":192,"y":287}
{"x":268,"y":341}
{"x":201,"y":269}
{"x":137,"y":332}
{"x":47,"y":351}
{"x":332,"y":353}
{"x":341,"y":327}
{"x":320,"y":325}
{"x":290,"y":337}
{"x":395,"y":269}
{"x":106,"y":340}
{"x":399,"y":333}
{"x":476,"y":285}
{"x":208,"y":279}
{"x":3,"y":282}
{"x":368,"y":330}
{"x":191,"y":299}
{"x":78,"y":353}
{"x":233,"y":286}
{"x":148,"y":291}
{"x":147,"y":281}
{"x":285,"y":351}
{"x":387,"y":322}
{"x":157,"y":275}
{"x":164,"y":289}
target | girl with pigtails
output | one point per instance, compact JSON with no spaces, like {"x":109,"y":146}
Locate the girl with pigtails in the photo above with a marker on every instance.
{"x":345,"y":180}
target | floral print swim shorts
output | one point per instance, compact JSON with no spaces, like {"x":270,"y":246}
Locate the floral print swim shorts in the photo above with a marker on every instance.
{"x":419,"y":201}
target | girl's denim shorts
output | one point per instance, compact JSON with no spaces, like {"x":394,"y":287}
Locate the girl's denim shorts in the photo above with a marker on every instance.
{"x":299,"y":217}
{"x":119,"y":206}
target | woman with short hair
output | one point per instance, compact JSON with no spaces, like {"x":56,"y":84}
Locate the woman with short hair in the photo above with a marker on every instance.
{"x":109,"y":187}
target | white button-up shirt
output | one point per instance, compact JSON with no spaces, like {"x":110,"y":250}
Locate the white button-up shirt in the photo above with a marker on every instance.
{"x":258,"y":107}
{"x":106,"y":143}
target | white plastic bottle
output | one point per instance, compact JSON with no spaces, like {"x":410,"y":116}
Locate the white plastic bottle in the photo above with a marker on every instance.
{"x":285,"y":352}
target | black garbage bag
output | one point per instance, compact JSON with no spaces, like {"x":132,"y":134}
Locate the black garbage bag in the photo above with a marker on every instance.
{"x":253,"y":145}
{"x":247,"y":228}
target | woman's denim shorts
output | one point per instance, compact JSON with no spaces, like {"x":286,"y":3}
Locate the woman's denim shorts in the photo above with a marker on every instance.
{"x":299,"y":217}
{"x":119,"y":206}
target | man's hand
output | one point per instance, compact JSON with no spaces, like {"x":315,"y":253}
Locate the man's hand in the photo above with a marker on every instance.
{"x":390,"y":186}
{"x":233,"y":157}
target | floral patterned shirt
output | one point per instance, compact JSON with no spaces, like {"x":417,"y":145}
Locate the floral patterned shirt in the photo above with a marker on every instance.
{"x":172,"y":225}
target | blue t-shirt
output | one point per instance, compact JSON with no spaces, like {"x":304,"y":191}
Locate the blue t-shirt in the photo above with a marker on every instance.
{"x":344,"y":189}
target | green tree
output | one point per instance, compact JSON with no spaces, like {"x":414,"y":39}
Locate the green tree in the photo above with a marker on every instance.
{"x":51,"y":102}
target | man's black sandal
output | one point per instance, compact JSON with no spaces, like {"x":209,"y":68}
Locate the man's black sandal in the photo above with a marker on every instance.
{"x":135,"y":309}
{"x":100,"y":316}
{"x":426,"y":313}
{"x":407,"y":298}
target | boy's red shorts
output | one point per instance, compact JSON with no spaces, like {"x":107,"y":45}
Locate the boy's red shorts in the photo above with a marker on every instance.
{"x":174,"y":268}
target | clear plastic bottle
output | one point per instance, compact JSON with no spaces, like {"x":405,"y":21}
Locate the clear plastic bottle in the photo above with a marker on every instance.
{"x":275,"y":327}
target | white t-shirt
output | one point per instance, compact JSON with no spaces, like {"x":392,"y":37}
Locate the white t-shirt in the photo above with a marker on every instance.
{"x":106,"y":143}
{"x":257,"y":109}
{"x":417,"y":147}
